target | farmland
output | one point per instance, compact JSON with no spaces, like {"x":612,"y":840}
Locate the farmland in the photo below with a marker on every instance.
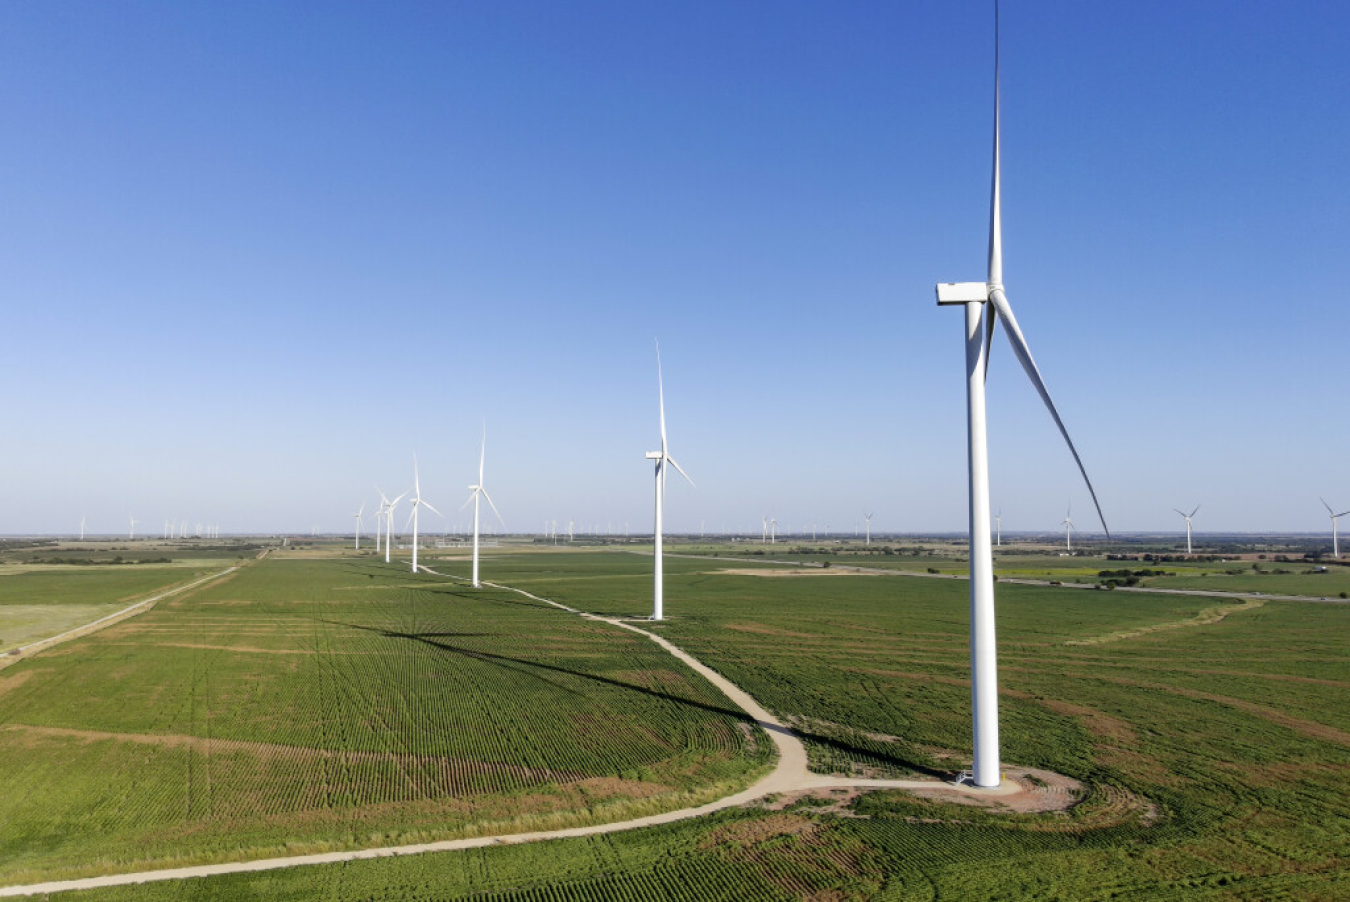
{"x":305,"y":704}
{"x":1213,"y":738}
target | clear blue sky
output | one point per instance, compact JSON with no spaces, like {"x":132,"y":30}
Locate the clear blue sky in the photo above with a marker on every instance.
{"x":254,"y":255}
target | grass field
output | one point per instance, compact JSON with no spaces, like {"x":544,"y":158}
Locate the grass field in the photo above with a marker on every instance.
{"x":37,"y":601}
{"x":317,"y":704}
{"x":1213,"y":738}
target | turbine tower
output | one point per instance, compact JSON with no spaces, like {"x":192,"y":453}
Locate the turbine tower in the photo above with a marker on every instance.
{"x":418,"y":502}
{"x":132,"y":534}
{"x":379,"y":519}
{"x":998,"y":528}
{"x":389,"y":522}
{"x":1188,"y":526}
{"x":661,"y":457}
{"x":1335,"y":543}
{"x":358,"y":515}
{"x":82,"y":527}
{"x":1067,"y":523}
{"x":985,"y":304}
{"x":474,"y":492}
{"x":868,"y":518}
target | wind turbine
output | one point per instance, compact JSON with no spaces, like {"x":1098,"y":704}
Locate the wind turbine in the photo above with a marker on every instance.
{"x":998,"y":528}
{"x":868,"y":518}
{"x":985,"y":304}
{"x":379,"y":519}
{"x":359,"y":514}
{"x":417,"y":502}
{"x":474,"y":492}
{"x":773,"y":530}
{"x":661,"y":457}
{"x":389,"y":521}
{"x":82,"y":527}
{"x":1188,"y":525}
{"x":1335,"y":543}
{"x":1067,"y":523}
{"x":132,"y":534}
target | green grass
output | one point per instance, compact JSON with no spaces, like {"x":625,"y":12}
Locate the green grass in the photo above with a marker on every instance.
{"x":318,"y":704}
{"x":1216,"y":754}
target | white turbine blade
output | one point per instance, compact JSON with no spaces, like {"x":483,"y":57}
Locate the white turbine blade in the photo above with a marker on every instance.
{"x":661,"y":397}
{"x":989,"y":324}
{"x":1341,"y":514}
{"x":411,"y":517}
{"x":493,"y":506}
{"x":1327,"y":506}
{"x":397,"y":500}
{"x":417,"y":486}
{"x":1193,"y":513}
{"x":470,"y":499}
{"x":681,"y":469}
{"x":1023,"y":354}
{"x":427,"y":505}
{"x":1183,"y":513}
{"x":995,"y":199}
{"x":482,"y":453}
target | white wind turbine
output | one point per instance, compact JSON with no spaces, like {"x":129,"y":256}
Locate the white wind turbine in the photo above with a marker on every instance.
{"x":1335,"y":543}
{"x":379,"y":519}
{"x":661,"y":457}
{"x":132,"y":534}
{"x":418,"y":502}
{"x":358,"y":515}
{"x":82,"y":527}
{"x":868,"y":517}
{"x":1067,"y":523}
{"x":998,"y":528}
{"x":1188,"y":526}
{"x":474,"y":492}
{"x":389,"y":522}
{"x":985,"y":304}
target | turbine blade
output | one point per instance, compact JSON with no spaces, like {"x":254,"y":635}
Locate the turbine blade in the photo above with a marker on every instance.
{"x":681,"y":469}
{"x":482,"y":453}
{"x":1197,"y":508}
{"x":1023,"y":354}
{"x":470,"y":501}
{"x":1324,"y":504}
{"x":493,"y":506}
{"x":397,"y":500}
{"x":661,"y":396}
{"x":1183,"y":513}
{"x":989,"y":325}
{"x":427,"y":505}
{"x":1341,"y":514}
{"x":995,"y":199}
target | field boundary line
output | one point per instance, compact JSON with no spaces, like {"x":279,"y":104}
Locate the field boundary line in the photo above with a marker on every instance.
{"x":790,"y":774}
{"x":22,"y":652}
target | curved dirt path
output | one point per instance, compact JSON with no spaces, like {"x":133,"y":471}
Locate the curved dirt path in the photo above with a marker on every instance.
{"x":790,"y":774}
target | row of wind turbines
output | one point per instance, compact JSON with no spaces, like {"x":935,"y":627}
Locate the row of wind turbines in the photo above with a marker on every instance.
{"x":384,"y":514}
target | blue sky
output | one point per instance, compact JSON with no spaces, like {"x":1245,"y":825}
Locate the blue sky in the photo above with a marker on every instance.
{"x":253,"y":256}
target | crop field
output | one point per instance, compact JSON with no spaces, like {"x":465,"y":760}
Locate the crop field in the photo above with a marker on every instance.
{"x":1212,"y":739}
{"x":38,"y":601}
{"x":312,"y":704}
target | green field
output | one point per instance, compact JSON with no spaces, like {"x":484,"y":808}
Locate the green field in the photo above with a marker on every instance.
{"x":305,"y":704}
{"x":38,"y":601}
{"x":1213,"y":738}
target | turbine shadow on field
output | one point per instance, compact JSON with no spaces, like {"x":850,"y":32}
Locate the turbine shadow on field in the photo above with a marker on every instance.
{"x":848,"y":749}
{"x":516,"y":665}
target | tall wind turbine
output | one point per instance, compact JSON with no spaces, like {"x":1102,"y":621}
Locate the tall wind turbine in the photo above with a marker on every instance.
{"x":1335,"y":543}
{"x":389,"y":522}
{"x":985,"y":304}
{"x":132,"y":534}
{"x":418,"y":502}
{"x":1188,"y":525}
{"x":868,"y":517}
{"x":358,"y":515}
{"x":998,"y":528}
{"x":474,"y":492}
{"x":82,"y":527}
{"x":662,"y":458}
{"x":1067,"y":523}
{"x":379,"y":519}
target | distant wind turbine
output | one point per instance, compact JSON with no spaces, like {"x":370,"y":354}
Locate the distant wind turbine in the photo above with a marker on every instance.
{"x":132,"y":534}
{"x":998,"y":528}
{"x":82,"y":527}
{"x":1188,"y":526}
{"x":389,"y":522}
{"x":474,"y":492}
{"x":773,"y":530}
{"x":418,"y":502}
{"x":985,"y":305}
{"x":1335,"y":542}
{"x":1067,"y":523}
{"x":868,"y":518}
{"x":662,"y":458}
{"x":359,"y":514}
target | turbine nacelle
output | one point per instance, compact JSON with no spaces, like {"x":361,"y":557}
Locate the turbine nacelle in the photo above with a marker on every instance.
{"x":963,"y":292}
